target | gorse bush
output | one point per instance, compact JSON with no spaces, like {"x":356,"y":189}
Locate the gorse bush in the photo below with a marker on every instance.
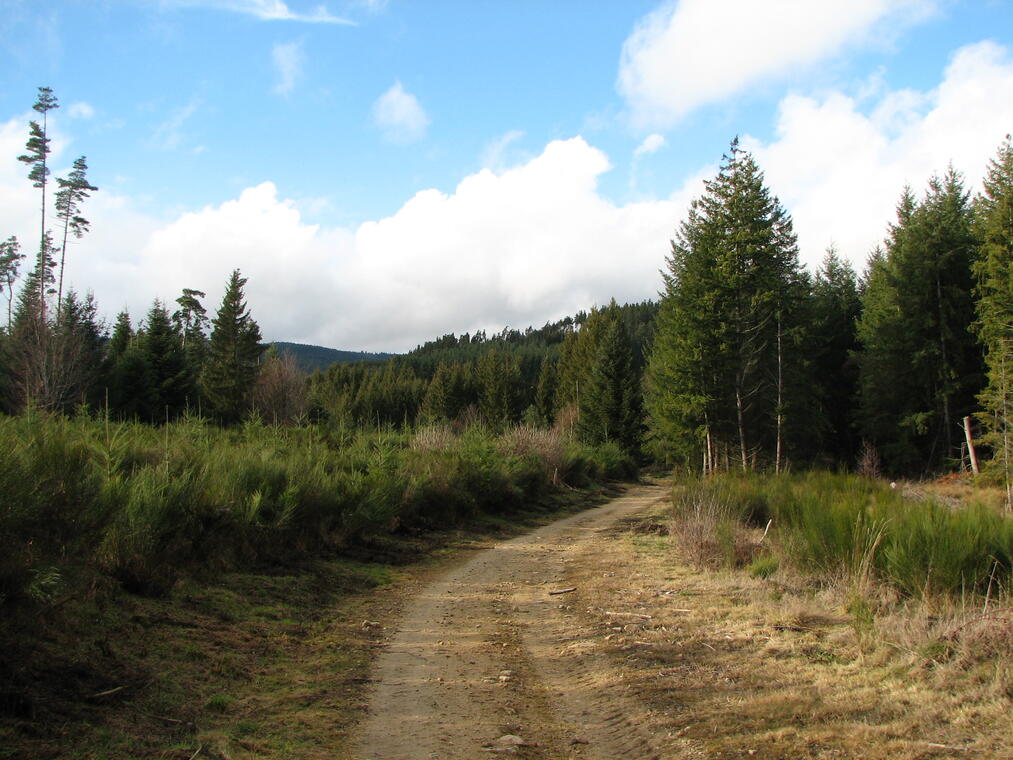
{"x":146,"y":505}
{"x":841,"y":526}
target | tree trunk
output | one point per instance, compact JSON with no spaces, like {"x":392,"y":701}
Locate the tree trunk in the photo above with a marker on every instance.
{"x":780,"y":401}
{"x":740,"y":413}
{"x":970,"y":446}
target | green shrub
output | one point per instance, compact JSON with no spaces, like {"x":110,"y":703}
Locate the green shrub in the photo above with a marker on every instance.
{"x":150,"y":504}
{"x":764,"y":566}
{"x":843,"y":526}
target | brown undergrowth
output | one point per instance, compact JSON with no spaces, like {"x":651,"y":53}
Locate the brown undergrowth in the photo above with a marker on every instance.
{"x":779,"y":667}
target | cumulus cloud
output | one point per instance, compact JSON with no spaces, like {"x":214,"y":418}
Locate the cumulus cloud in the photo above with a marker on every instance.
{"x":522,"y":247}
{"x":692,"y":52}
{"x":400,"y":116}
{"x":840,"y":169}
{"x":651,"y":144}
{"x":267,"y":10}
{"x":289,"y":59}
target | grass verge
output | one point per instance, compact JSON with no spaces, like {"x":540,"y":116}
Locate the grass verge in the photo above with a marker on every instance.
{"x":266,"y":662}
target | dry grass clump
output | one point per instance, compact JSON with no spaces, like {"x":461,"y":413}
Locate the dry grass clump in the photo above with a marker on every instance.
{"x":805,"y":665}
{"x":548,"y":446}
{"x":711,"y":536}
{"x":434,"y":437}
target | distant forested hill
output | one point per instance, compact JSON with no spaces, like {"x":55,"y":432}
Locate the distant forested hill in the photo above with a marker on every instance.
{"x":500,"y":378}
{"x":312,"y":358}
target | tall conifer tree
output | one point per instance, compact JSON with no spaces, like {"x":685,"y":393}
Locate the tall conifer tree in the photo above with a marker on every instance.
{"x":994,"y":271}
{"x":716,"y":375}
{"x":74,"y":189}
{"x":233,"y":355}
{"x":10,"y":262}
{"x":36,"y":158}
{"x":920,"y":367}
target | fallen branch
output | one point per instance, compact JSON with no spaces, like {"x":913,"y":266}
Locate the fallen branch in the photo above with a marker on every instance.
{"x":562,"y":591}
{"x":947,"y":746}
{"x":628,"y":614}
{"x":199,"y":748}
{"x":107,"y":692}
{"x":167,"y":720}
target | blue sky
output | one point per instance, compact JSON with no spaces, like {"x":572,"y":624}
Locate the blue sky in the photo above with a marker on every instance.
{"x":385,"y":172}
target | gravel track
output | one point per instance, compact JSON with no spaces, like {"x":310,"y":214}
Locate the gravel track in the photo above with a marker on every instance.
{"x":484,"y":653}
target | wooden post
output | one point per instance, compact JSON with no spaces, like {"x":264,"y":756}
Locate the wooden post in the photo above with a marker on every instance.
{"x":970,"y":445}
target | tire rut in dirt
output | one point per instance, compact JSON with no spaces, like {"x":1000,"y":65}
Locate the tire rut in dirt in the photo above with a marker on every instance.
{"x":589,"y":692}
{"x":438,"y":690}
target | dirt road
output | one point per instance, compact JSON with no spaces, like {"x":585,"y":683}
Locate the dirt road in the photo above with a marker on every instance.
{"x":486,"y":660}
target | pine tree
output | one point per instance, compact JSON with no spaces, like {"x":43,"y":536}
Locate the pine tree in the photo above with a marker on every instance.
{"x":994,"y":272}
{"x":233,"y":355}
{"x":10,"y":262}
{"x":73,"y":191}
{"x":36,"y":158}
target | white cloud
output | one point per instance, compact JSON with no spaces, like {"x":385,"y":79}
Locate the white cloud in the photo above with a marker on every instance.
{"x":400,"y":115}
{"x":651,"y":144}
{"x":840,"y":171}
{"x":266,"y":10}
{"x":689,"y":53}
{"x":534,"y":243}
{"x":80,"y":111}
{"x":289,"y":59}
{"x":169,"y":135}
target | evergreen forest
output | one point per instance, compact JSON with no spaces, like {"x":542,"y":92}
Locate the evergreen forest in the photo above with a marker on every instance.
{"x":176,"y":439}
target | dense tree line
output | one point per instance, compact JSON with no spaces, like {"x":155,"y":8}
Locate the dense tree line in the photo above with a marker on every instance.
{"x":57,"y":356}
{"x":534,"y":376}
{"x":758,"y":363}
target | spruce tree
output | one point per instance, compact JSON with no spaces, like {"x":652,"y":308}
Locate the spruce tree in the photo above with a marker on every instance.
{"x":545,"y":391}
{"x":920,"y":366}
{"x":163,"y":349}
{"x":498,"y":376}
{"x":122,"y":335}
{"x":234,"y":354}
{"x":833,"y":341}
{"x":610,"y":407}
{"x":717,"y":375}
{"x":994,"y":272}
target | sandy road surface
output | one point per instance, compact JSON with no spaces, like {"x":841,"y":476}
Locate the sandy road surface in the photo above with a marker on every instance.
{"x":476,"y":657}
